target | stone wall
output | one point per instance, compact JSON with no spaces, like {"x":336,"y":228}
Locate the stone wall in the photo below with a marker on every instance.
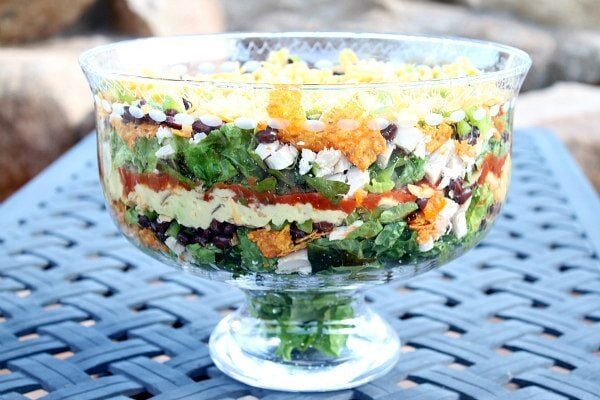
{"x":46,"y":106}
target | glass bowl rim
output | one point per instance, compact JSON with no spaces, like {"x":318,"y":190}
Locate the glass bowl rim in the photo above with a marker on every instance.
{"x":520,"y":66}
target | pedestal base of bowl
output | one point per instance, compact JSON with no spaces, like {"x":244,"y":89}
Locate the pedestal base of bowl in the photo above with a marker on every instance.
{"x":309,"y":355}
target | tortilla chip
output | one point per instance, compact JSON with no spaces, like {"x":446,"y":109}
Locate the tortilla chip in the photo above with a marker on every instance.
{"x":439,"y":135}
{"x":279,"y":243}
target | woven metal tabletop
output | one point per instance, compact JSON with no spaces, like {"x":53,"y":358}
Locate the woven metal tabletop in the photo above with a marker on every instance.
{"x":85,"y":315}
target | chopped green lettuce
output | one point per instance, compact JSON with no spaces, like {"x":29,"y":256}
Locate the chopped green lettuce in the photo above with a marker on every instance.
{"x":367,"y":230}
{"x":251,"y":257}
{"x":413,"y":170}
{"x":141,"y":156}
{"x":204,"y":255}
{"x":482,"y":199}
{"x":131,"y":216}
{"x":222,"y":156}
{"x":332,"y":190}
{"x":397,"y":213}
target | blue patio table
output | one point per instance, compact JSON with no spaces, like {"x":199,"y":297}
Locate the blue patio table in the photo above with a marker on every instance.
{"x":85,"y":315}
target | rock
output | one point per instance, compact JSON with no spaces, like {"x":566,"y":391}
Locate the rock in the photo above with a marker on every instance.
{"x":571,"y":13}
{"x":572,"y":111}
{"x":26,"y":20}
{"x":46,"y":106}
{"x":578,"y":56}
{"x":167,"y":17}
{"x":397,"y":16}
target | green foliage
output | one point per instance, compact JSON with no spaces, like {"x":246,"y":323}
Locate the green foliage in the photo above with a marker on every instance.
{"x":332,"y":190}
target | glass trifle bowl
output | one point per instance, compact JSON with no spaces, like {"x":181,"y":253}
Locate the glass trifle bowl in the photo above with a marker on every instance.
{"x":304,"y":168}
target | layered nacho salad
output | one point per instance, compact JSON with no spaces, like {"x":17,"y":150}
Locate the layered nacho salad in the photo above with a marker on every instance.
{"x":289,"y":166}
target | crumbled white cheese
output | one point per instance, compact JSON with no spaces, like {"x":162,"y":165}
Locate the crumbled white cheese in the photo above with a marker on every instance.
{"x":336,"y":177}
{"x":421,"y":150}
{"x":357,"y":179}
{"x":118,"y":108}
{"x":163,"y":133}
{"x":197,"y":138}
{"x":341,"y":232}
{"x":437,"y":161}
{"x":174,"y":245}
{"x":113,"y":117}
{"x":459,"y":220}
{"x":342,"y":165}
{"x":326,"y":160}
{"x":409,"y":138}
{"x":165,"y":151}
{"x":383,"y":159}
{"x":264,"y":150}
{"x":294,"y":262}
{"x":443,"y":219}
{"x":308,"y":157}
{"x":282,"y":158}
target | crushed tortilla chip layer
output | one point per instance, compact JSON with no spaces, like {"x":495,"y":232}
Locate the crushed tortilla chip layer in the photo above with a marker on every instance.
{"x":279,"y":243}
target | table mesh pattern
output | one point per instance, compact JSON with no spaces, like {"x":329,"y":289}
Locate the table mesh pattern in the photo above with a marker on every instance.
{"x":84,"y":315}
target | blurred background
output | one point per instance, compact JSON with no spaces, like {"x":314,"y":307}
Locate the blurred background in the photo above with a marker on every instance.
{"x":45,"y":105}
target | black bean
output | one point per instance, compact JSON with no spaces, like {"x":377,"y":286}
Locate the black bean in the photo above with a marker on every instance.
{"x":421,"y":203}
{"x":170,"y":122}
{"x":290,"y":61}
{"x":144,"y":221}
{"x":127,"y":117}
{"x":297,"y":233}
{"x":184,"y":238}
{"x":473,"y":135}
{"x":268,"y":135}
{"x":411,"y":217}
{"x":198,"y":126}
{"x":202,"y":236}
{"x":505,"y":136}
{"x":323,"y":226}
{"x":216,"y":226}
{"x":159,"y":227}
{"x":186,"y":103}
{"x":389,"y":132}
{"x":222,"y":242}
{"x":141,"y":102}
{"x":161,"y":236}
{"x":229,"y":229}
{"x":483,"y":225}
{"x":338,"y":73}
{"x":463,"y":196}
{"x":455,"y":186}
{"x":170,"y":112}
